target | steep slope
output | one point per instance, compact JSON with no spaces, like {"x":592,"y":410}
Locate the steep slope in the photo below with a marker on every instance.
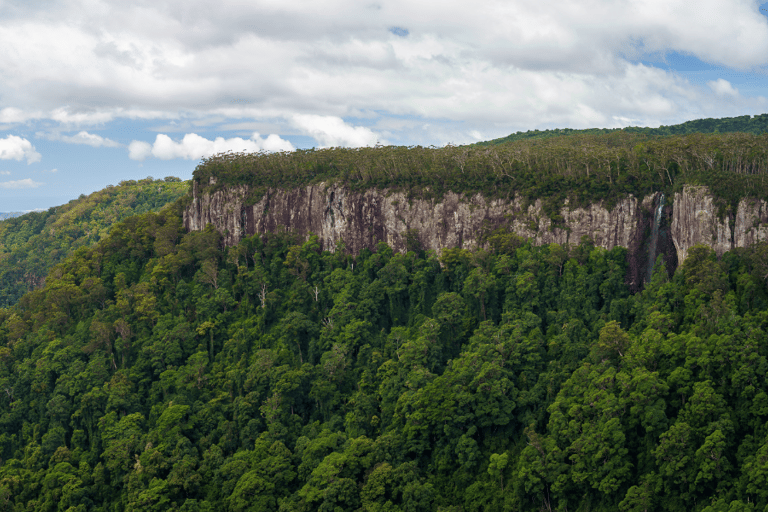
{"x":158,"y":370}
{"x":360,"y":220}
{"x":34,"y":242}
{"x":652,"y":196}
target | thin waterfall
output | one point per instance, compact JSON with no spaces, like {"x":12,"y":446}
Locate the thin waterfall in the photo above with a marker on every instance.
{"x":654,"y":236}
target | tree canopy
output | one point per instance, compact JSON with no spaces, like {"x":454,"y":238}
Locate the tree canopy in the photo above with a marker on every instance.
{"x":157,"y":370}
{"x":32,"y":243}
{"x":583,"y":168}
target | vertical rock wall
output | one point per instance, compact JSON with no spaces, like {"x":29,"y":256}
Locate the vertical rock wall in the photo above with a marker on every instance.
{"x":362,"y":219}
{"x":696,"y":220}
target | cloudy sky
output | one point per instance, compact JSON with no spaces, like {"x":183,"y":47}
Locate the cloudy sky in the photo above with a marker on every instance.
{"x":93,"y":92}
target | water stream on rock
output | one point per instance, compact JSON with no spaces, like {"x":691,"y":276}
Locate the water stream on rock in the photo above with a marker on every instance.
{"x":654,"y":236}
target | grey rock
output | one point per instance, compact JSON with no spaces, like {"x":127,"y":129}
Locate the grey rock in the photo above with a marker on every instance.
{"x":362,"y":219}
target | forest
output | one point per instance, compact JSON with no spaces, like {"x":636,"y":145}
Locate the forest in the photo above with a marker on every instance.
{"x":146,"y":368}
{"x":32,"y":243}
{"x":581,"y":167}
{"x":158,"y":370}
{"x":756,"y":125}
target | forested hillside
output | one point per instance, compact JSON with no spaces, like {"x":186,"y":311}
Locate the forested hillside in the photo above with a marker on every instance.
{"x":582,"y":168}
{"x":157,"y":370}
{"x":34,"y":242}
{"x":756,"y":125}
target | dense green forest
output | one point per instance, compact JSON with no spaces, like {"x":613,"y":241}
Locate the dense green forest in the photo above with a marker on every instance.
{"x":31,"y":244}
{"x":756,"y":125}
{"x":584,"y":168}
{"x":157,"y":370}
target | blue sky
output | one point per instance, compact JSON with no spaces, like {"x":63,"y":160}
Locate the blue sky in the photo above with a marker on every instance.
{"x":94,"y":92}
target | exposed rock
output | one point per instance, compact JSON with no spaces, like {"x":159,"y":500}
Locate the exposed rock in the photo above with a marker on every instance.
{"x":362,"y":219}
{"x":751,"y":225}
{"x":695,"y":221}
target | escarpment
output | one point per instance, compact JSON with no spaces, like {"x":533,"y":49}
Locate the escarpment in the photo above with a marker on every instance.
{"x":363,"y":219}
{"x":646,"y":227}
{"x":696,"y":221}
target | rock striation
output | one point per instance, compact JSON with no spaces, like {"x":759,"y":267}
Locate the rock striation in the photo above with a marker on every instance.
{"x":695,"y":220}
{"x":362,"y":219}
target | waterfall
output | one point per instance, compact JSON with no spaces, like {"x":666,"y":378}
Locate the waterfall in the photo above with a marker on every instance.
{"x":654,"y":236}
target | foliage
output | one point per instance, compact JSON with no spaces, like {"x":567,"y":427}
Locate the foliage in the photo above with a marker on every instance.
{"x":583,"y":168}
{"x":156,"y":370}
{"x":31,"y":244}
{"x":756,"y":125}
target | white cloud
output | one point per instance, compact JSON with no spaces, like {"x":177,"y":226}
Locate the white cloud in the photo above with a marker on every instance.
{"x":331,"y":131}
{"x":67,"y":117}
{"x":495,"y":66}
{"x":25,"y":183}
{"x":82,"y":137}
{"x":139,"y":150}
{"x":5,"y":173}
{"x":193,"y":146}
{"x":723,"y":88}
{"x":13,"y":115}
{"x":14,"y":147}
{"x":90,"y":139}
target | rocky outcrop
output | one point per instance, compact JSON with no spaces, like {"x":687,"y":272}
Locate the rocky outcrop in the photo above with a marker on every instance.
{"x":362,"y":219}
{"x":751,"y":223}
{"x":696,"y":220}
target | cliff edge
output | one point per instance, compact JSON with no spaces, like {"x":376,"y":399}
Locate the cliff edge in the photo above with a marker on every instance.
{"x":646,"y":227}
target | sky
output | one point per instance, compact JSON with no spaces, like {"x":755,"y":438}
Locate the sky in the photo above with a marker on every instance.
{"x":95,"y":92}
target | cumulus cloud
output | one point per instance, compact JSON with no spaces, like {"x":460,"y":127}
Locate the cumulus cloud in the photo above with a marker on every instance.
{"x":331,"y":131}
{"x":723,"y":88}
{"x":67,"y":116}
{"x":494,"y":66}
{"x":25,"y":183}
{"x":13,"y":115}
{"x":193,"y":146}
{"x":14,"y":147}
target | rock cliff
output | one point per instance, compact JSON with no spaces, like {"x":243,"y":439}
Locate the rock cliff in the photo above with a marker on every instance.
{"x":362,"y":219}
{"x":695,"y":220}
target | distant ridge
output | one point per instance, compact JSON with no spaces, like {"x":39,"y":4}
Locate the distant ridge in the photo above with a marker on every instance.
{"x":755,"y":125}
{"x":10,"y":215}
{"x":31,"y":243}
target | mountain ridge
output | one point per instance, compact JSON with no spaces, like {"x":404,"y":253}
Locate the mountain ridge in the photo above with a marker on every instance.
{"x":33,"y":242}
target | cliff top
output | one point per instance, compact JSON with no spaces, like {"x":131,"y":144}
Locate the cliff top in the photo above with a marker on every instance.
{"x":583,"y":168}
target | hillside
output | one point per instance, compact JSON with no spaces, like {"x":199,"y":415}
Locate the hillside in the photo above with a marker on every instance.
{"x":156,"y":370}
{"x":32,"y":243}
{"x":9,"y":215}
{"x":651,"y":195}
{"x":756,"y":125}
{"x":258,"y":345}
{"x":582,"y":168}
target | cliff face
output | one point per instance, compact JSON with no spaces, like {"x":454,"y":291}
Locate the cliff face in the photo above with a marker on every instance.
{"x":695,"y":221}
{"x":362,"y":219}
